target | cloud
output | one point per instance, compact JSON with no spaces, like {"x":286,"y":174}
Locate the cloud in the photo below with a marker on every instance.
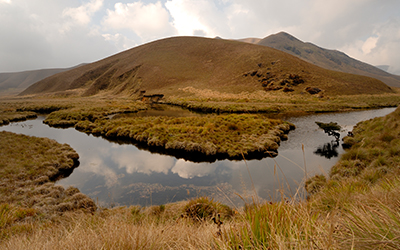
{"x":148,"y":22}
{"x":120,"y":41}
{"x":189,"y":16}
{"x":200,"y":18}
{"x":381,"y":48}
{"x":135,"y":161}
{"x":369,"y":44}
{"x":94,"y":164}
{"x":83,"y":13}
{"x":189,"y":170}
{"x":37,"y":37}
{"x":46,"y":33}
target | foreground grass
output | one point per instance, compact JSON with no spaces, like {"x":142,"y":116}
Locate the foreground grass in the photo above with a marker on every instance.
{"x":364,"y":186}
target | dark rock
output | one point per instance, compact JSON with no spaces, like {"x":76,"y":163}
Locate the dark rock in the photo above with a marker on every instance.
{"x":313,"y":90}
{"x":284,"y":82}
{"x":253,"y":73}
{"x":286,"y":89}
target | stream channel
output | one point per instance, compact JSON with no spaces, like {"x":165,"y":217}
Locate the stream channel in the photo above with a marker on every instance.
{"x":116,"y":174}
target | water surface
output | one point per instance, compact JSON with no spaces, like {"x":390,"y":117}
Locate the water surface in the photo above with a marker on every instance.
{"x":122,"y":174}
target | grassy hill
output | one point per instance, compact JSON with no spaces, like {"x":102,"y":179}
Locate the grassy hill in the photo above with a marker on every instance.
{"x":15,"y":82}
{"x":329,"y":59}
{"x":168,"y":66}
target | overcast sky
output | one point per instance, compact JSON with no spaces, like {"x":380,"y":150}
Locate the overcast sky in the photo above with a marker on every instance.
{"x":36,"y":34}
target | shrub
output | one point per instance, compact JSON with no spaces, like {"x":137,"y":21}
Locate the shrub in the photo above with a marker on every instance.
{"x":203,"y":208}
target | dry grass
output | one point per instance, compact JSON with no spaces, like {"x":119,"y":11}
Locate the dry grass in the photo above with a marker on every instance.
{"x":284,"y":226}
{"x":267,"y":102}
{"x":28,"y":168}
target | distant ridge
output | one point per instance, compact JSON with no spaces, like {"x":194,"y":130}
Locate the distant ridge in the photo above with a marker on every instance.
{"x":328,"y":59}
{"x":172,"y":65}
{"x":250,"y":40}
{"x":15,"y":82}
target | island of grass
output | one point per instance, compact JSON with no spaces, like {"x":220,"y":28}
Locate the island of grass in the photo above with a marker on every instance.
{"x":203,"y":138}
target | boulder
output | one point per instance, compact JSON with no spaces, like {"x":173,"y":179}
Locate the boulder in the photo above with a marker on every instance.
{"x":313,"y":90}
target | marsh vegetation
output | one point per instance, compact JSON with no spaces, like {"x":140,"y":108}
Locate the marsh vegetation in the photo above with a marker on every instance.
{"x":356,"y":205}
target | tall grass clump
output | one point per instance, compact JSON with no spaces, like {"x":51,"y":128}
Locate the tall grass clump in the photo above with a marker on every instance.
{"x":281,"y":225}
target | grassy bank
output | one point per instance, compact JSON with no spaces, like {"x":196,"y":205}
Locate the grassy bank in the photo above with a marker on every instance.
{"x":28,"y":168}
{"x":266,"y":102}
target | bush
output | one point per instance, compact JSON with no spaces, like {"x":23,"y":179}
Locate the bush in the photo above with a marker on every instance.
{"x":203,"y":208}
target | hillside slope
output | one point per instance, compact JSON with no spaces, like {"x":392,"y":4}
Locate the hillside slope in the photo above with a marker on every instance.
{"x":15,"y":82}
{"x":167,"y":66}
{"x":329,"y":59}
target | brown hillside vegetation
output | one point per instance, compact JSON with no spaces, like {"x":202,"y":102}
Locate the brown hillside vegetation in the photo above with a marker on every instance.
{"x":170,"y":65}
{"x":328,"y":59}
{"x":13,"y":83}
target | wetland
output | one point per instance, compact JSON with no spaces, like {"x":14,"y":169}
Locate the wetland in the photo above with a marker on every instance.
{"x":117,"y":173}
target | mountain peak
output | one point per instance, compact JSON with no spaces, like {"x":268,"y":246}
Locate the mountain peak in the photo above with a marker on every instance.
{"x":325,"y":58}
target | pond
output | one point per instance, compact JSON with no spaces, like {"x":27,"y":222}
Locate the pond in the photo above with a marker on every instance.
{"x":121,"y":174}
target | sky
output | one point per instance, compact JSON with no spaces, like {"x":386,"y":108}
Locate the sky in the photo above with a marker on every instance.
{"x":37,"y":34}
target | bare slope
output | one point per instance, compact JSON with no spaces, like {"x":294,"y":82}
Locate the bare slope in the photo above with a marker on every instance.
{"x":166,"y":66}
{"x":329,"y":59}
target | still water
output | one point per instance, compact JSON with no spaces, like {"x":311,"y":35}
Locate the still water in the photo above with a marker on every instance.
{"x":121,"y":174}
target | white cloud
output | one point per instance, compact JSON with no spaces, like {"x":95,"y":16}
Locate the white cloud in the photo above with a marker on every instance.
{"x":369,"y":44}
{"x":188,"y":170}
{"x":93,"y":164}
{"x":83,"y":13}
{"x":187,"y":16}
{"x":120,"y":41}
{"x":149,"y":21}
{"x":140,"y":162}
{"x":381,"y":48}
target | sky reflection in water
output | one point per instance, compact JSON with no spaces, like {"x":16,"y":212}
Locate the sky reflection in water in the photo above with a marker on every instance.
{"x":121,"y":174}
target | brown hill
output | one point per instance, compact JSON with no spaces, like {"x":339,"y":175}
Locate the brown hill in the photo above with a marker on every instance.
{"x":328,"y":59}
{"x":15,"y":82}
{"x":168,"y":65}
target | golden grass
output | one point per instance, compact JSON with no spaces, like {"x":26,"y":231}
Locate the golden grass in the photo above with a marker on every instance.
{"x":267,"y":102}
{"x":28,"y":168}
